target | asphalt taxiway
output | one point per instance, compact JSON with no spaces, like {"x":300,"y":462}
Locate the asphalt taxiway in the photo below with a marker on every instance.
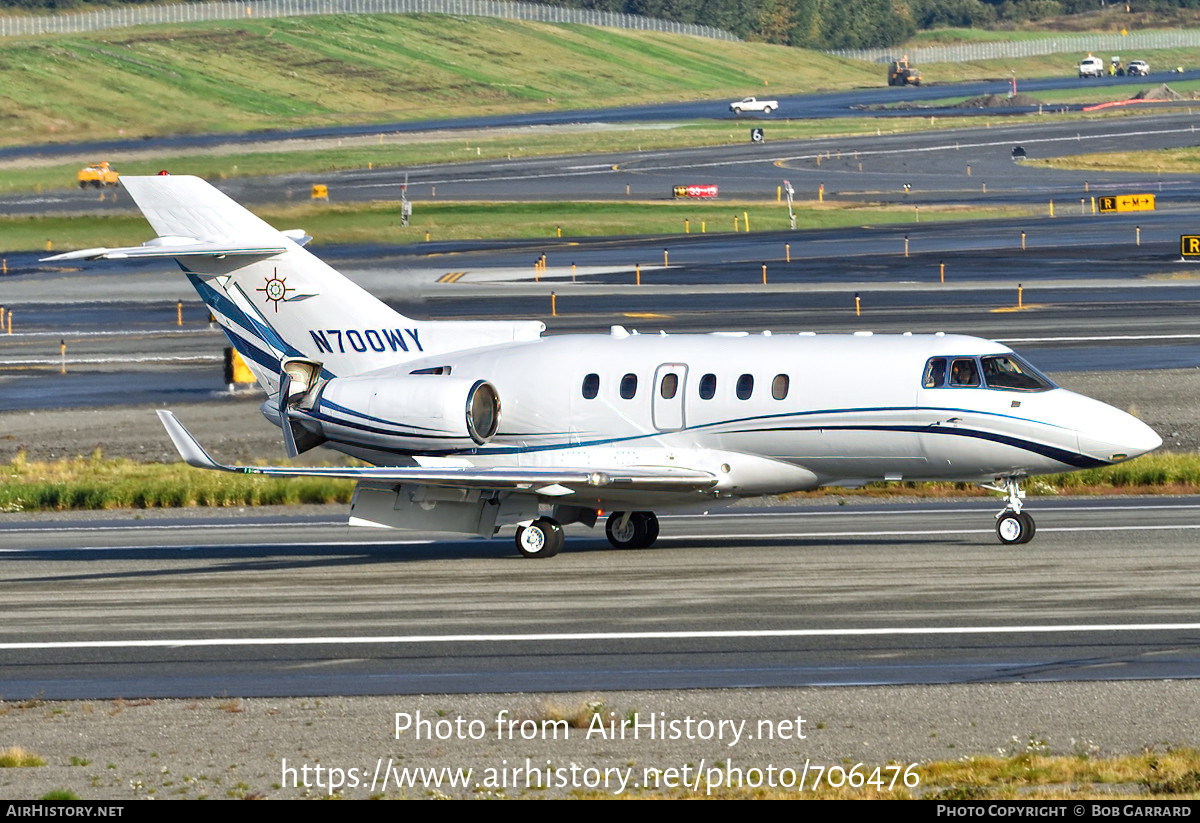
{"x":821,"y":595}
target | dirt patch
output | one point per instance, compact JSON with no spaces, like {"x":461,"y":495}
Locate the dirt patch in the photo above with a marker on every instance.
{"x":997,"y":101}
{"x":1160,"y":92}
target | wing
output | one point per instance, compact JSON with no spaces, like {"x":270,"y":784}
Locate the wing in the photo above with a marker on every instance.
{"x":549,"y":482}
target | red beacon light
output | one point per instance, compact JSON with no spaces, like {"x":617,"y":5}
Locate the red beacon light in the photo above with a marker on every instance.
{"x":164,"y":173}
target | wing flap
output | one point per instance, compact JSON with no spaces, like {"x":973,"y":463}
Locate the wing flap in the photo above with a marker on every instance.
{"x":552,"y":482}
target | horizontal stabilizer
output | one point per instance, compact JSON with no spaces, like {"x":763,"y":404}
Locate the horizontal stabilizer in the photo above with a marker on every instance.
{"x":553,"y":482}
{"x":197,"y":248}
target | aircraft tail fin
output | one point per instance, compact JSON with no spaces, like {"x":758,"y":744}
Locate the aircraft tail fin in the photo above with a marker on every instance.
{"x":277,"y":301}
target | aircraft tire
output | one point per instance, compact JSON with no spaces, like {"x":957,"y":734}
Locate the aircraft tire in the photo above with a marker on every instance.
{"x":629,"y":537}
{"x":541,"y":538}
{"x":1030,"y":527}
{"x":1013,"y":528}
{"x":650,"y":522}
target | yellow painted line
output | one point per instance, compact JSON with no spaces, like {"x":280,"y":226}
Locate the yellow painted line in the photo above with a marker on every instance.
{"x":451,"y":277}
{"x":645,"y":315}
{"x":1019,"y":308}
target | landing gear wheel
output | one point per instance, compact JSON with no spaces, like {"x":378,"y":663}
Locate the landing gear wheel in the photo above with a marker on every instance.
{"x":541,"y":538}
{"x":1030,"y":527}
{"x":639,"y":530}
{"x":1013,"y":528}
{"x":651,"y":528}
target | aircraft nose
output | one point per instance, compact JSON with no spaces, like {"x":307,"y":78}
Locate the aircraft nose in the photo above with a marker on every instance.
{"x":1113,"y":436}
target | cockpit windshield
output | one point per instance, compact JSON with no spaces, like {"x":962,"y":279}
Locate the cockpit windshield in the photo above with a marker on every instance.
{"x":1005,"y":372}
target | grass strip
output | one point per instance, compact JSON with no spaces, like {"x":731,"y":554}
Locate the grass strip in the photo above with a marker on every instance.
{"x":91,"y":483}
{"x":96,"y":482}
{"x":380,"y":222}
{"x":408,"y":149}
{"x":1150,"y":161}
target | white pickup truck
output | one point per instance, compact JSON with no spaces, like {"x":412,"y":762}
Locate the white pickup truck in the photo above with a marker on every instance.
{"x":753,"y":104}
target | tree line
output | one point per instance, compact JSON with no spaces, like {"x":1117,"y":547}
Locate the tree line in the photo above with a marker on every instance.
{"x":819,"y":24}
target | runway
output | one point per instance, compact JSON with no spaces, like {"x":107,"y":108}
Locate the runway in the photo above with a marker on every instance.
{"x":861,"y":593}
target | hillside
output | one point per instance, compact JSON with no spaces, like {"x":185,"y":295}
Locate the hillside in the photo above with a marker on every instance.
{"x":307,"y":71}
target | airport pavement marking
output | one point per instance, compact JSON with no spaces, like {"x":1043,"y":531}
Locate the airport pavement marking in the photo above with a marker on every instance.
{"x":1087,"y":628}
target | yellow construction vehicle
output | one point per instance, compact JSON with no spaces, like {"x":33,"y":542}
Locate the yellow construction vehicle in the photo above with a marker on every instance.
{"x":97,"y":175}
{"x":902,"y":74}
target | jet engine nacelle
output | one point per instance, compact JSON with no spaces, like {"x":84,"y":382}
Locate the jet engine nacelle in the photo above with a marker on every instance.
{"x":417,"y":411}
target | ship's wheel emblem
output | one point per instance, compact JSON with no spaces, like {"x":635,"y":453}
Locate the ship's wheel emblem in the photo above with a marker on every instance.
{"x":276,"y":289}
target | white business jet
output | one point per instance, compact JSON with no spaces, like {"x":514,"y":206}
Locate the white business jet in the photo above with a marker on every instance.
{"x":473,"y":426}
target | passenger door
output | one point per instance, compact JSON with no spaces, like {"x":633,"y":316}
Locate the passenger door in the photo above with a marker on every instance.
{"x":667,"y":402}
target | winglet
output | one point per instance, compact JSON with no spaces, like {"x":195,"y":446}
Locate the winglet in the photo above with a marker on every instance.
{"x":188,"y":447}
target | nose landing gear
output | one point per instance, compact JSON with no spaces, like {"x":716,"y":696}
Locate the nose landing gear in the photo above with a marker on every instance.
{"x":1013,"y":526}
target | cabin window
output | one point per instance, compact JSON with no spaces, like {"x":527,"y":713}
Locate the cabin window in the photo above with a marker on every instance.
{"x":779,"y":386}
{"x":1006,"y":371}
{"x":935,"y":373}
{"x":670,"y":385}
{"x":963,"y":373}
{"x":628,"y":386}
{"x":745,"y":386}
{"x":708,"y":386}
{"x":591,"y":386}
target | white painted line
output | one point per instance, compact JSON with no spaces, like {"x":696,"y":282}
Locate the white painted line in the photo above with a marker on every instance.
{"x":57,"y":361}
{"x":1093,"y":628}
{"x":985,"y":505}
{"x":78,"y":334}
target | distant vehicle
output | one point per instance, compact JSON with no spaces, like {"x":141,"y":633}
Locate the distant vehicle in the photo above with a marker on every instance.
{"x":1091,"y":67}
{"x":97,"y":175}
{"x":1138,"y":67}
{"x":753,"y":104}
{"x":900,"y":73}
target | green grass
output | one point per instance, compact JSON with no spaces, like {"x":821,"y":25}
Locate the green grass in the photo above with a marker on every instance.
{"x":379,"y":222}
{"x":93,"y":483}
{"x":14,"y":757}
{"x":308,"y":71}
{"x":99,"y":483}
{"x":1150,"y":161}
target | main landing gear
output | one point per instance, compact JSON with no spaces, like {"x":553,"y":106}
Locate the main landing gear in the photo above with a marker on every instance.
{"x":631,"y":530}
{"x":626,"y":530}
{"x":541,"y":538}
{"x":1013,"y":525}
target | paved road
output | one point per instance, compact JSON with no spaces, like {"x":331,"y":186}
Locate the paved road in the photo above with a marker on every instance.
{"x":858,"y":594}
